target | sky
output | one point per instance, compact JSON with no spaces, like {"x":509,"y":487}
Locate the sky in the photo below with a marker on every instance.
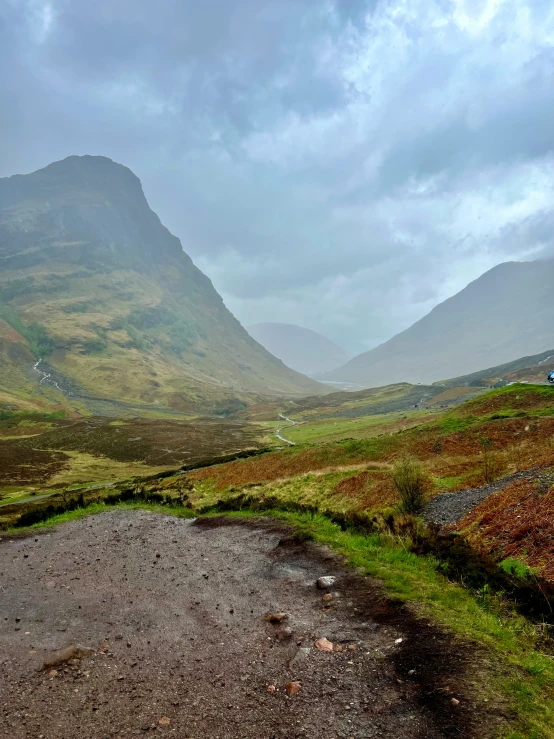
{"x":343,"y":165}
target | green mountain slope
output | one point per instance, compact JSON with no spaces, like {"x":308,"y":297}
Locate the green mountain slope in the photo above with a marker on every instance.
{"x":503,"y":315}
{"x":93,"y":284}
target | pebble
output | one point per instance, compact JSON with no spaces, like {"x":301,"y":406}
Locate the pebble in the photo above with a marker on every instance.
{"x":276,"y":618}
{"x":327,"y":581}
{"x":284,"y":633}
{"x":294,"y":687}
{"x":324,"y":645}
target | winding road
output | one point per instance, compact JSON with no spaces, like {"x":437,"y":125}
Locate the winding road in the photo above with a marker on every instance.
{"x":291,"y":424}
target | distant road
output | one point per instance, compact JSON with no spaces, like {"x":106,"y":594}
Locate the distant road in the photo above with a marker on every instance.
{"x":278,"y":432}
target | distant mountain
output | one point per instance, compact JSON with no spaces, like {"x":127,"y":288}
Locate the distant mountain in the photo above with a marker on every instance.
{"x":505,"y":314}
{"x":94,"y":285}
{"x":300,"y":348}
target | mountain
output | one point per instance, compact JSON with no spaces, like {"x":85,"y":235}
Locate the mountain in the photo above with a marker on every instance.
{"x":504,"y":314}
{"x":97,"y":288}
{"x":300,"y":348}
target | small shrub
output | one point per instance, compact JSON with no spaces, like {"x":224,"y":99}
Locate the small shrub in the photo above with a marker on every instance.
{"x":412,"y":483}
{"x":494,"y":464}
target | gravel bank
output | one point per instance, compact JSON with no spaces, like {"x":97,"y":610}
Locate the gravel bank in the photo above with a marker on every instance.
{"x":449,"y":508}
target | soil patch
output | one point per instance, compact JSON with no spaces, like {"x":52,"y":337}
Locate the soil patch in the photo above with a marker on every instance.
{"x":176,"y":615}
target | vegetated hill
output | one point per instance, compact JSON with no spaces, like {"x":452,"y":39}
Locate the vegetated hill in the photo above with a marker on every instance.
{"x":370,"y":402}
{"x":300,"y":348}
{"x":526,"y":369}
{"x":92,"y":283}
{"x":503,"y":315}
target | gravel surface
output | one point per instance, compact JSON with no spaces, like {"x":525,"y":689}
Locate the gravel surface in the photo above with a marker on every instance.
{"x":175,"y":613}
{"x":449,"y":508}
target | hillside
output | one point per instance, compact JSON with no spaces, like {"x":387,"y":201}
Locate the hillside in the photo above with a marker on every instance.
{"x":503,"y":315}
{"x":300,"y":348}
{"x":93,"y":284}
{"x":532,"y":369}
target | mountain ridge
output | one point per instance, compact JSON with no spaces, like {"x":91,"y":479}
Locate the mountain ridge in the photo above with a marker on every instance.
{"x":501,"y":316}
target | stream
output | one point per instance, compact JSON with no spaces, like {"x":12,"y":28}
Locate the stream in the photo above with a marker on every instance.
{"x":47,"y":377}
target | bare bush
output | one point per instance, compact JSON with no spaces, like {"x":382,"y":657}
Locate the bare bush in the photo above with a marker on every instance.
{"x":412,"y":483}
{"x":494,"y":464}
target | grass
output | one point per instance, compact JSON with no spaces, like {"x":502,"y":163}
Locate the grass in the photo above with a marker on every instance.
{"x":518,"y":673}
{"x":83,"y":467}
{"x":41,"y":451}
{"x":96,"y":508}
{"x":335,"y":429}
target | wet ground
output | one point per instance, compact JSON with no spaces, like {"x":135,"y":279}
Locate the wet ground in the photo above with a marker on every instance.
{"x":175,"y":613}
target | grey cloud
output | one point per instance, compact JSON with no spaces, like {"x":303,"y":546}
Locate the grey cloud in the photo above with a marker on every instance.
{"x":214,"y":57}
{"x":343,"y":164}
{"x":520,"y":128}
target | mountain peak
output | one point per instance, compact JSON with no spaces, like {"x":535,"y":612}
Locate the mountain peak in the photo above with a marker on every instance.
{"x":78,"y":167}
{"x":113,"y":295}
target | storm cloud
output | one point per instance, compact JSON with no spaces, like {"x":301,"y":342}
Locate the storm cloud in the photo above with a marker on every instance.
{"x":343,"y":165}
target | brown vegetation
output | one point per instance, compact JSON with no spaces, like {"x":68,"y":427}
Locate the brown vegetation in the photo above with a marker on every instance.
{"x":516,"y":522}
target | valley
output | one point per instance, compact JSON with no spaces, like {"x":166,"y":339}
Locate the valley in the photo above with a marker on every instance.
{"x":484,"y":575}
{"x":375,"y":559}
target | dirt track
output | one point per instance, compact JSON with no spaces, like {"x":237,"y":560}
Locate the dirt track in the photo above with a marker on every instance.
{"x":181,"y":638}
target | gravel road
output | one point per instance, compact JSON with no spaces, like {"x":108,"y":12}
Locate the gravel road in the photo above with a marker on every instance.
{"x":449,"y":508}
{"x":175,"y":613}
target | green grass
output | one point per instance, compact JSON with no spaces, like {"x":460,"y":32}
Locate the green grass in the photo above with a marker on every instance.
{"x":515,"y":567}
{"x":512,"y":397}
{"x":16,"y":418}
{"x":448,"y":483}
{"x":335,"y":429}
{"x":95,"y":508}
{"x":311,"y":491}
{"x":454,"y":423}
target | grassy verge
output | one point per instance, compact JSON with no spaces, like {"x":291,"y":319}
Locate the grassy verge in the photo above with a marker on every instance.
{"x":519,"y":674}
{"x":95,"y":508}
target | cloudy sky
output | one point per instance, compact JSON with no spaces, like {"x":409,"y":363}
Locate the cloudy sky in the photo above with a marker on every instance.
{"x":339,"y":164}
